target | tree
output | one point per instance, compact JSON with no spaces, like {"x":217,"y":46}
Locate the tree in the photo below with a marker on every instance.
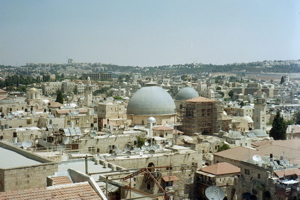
{"x":221,"y":93}
{"x":75,"y":90}
{"x":223,"y":147}
{"x":117,"y":97}
{"x":278,"y":130}
{"x":282,"y":80}
{"x":59,"y":97}
{"x":230,"y":93}
{"x":242,"y":104}
{"x":297,"y":117}
{"x":140,"y":141}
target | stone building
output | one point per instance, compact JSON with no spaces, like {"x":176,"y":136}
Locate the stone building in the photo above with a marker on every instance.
{"x":175,"y":171}
{"x":20,"y":169}
{"x":259,"y":114}
{"x":72,"y":185}
{"x":182,"y":95}
{"x":109,"y":143}
{"x":88,"y":93}
{"x":268,"y":178}
{"x":239,"y":111}
{"x":111,"y":113}
{"x":68,"y":87}
{"x":50,"y":88}
{"x":164,"y":132}
{"x":222,"y":175}
{"x":199,"y":115}
{"x":33,"y":98}
{"x":64,"y":118}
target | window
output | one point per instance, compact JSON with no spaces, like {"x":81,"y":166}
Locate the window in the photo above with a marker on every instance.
{"x":189,"y":112}
{"x":258,"y":176}
{"x":247,"y":171}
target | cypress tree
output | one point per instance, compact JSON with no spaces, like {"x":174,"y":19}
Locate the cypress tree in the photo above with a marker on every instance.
{"x":59,"y":97}
{"x":278,"y":130}
{"x":297,"y":117}
{"x":282,"y":80}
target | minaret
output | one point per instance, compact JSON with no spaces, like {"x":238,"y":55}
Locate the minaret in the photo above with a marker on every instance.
{"x":259,"y":114}
{"x":88,"y":93}
{"x":151,"y":123}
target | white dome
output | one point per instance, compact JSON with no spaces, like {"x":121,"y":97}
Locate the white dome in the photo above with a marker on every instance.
{"x":151,"y":120}
{"x":151,"y":100}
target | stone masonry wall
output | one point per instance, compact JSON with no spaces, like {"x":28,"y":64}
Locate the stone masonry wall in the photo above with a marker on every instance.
{"x":27,"y":177}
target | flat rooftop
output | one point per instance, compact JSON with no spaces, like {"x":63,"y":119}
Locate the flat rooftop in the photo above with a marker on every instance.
{"x":79,"y":165}
{"x":11,"y":159}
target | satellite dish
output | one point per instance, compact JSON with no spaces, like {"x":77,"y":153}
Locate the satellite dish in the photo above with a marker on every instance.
{"x":113,"y":155}
{"x":26,"y":144}
{"x":19,"y":144}
{"x":137,"y":150}
{"x":141,"y":154}
{"x":214,"y":193}
{"x":8,"y":141}
{"x":128,"y":153}
{"x":93,"y":134}
{"x":146,"y":143}
{"x":152,"y":151}
{"x":256,"y":158}
{"x":76,"y":112}
{"x":61,"y":147}
{"x":86,"y":130}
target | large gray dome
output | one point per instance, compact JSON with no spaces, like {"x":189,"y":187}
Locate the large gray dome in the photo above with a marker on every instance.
{"x":151,"y":101}
{"x":186,"y":93}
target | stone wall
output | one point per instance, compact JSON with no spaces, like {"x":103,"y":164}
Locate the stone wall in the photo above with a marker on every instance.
{"x":159,"y":160}
{"x":104,"y":144}
{"x":143,"y":119}
{"x":21,"y":135}
{"x":26,"y":177}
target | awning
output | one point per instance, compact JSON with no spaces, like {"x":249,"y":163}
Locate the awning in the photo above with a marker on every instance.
{"x":170,"y":178}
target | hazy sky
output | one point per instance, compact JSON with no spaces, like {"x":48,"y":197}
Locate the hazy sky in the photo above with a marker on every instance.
{"x":148,"y":32}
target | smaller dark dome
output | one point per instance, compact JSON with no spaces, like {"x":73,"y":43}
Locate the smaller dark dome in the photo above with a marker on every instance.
{"x":186,"y":93}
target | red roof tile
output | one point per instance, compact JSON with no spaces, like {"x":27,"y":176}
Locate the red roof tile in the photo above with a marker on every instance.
{"x":289,"y":149}
{"x":61,"y":180}
{"x":221,"y":168}
{"x":72,"y":110}
{"x":162,"y":128}
{"x":200,"y":99}
{"x":170,"y":178}
{"x":287,"y":172}
{"x":238,"y":153}
{"x":74,"y":191}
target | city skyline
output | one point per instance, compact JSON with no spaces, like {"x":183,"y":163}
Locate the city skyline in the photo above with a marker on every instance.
{"x":148,"y":33}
